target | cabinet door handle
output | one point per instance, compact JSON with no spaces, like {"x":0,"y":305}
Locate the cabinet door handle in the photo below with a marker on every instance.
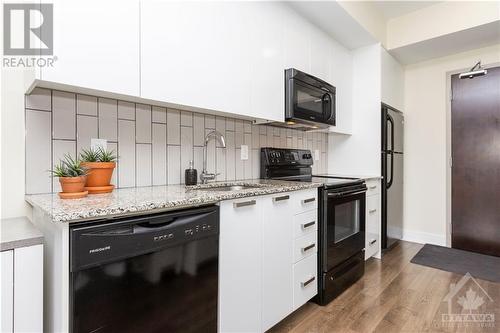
{"x":305,"y":283}
{"x":281,"y":198}
{"x":372,"y":187}
{"x":308,"y":247}
{"x":308,"y":224}
{"x":372,"y":210}
{"x":308,"y":200}
{"x":244,"y":203}
{"x":373,"y":241}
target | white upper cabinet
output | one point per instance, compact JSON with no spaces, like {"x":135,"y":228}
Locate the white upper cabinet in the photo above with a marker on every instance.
{"x":97,"y":45}
{"x":297,"y":43}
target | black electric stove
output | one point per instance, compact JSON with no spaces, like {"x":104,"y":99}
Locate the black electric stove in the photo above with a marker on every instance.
{"x":341,"y":215}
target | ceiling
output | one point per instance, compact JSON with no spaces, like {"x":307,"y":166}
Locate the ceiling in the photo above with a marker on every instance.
{"x":391,"y":9}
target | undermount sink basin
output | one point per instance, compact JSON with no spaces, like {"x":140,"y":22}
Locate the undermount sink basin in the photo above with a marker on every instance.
{"x":230,"y":188}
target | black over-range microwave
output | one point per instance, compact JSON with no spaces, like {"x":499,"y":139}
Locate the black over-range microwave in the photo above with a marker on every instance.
{"x":309,"y":101}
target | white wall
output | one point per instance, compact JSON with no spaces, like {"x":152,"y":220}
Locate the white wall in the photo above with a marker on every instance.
{"x":12,"y":147}
{"x":426,"y":157}
{"x":393,"y":79}
{"x":359,"y":153}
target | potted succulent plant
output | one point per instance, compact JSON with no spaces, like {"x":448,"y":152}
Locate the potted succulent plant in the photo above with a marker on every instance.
{"x":72,"y":176}
{"x":100,"y":164}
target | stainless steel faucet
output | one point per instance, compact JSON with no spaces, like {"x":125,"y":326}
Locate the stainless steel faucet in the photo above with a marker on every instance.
{"x":204,"y":176}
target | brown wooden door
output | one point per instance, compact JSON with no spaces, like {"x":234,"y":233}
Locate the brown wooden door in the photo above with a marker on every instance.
{"x":475,"y":138}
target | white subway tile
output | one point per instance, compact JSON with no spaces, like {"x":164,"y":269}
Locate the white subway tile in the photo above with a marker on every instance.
{"x":198,"y":160}
{"x":143,"y":165}
{"x":59,"y":149}
{"x":238,"y":125}
{"x":186,"y":149}
{"x":238,"y":164}
{"x":174,"y":166}
{"x":255,"y":163}
{"x":38,"y":152}
{"x":143,"y":123}
{"x":229,"y":124}
{"x":64,"y":115}
{"x":230,"y":163}
{"x":86,"y":130}
{"x":186,"y":118}
{"x":126,"y":153}
{"x":159,"y":154}
{"x":114,"y":178}
{"x":39,"y":99}
{"x":126,"y":110}
{"x":86,"y":105}
{"x":221,"y":163}
{"x":198,"y":129}
{"x":247,"y":126}
{"x":173,"y":127}
{"x":220,"y":125}
{"x":159,"y":115}
{"x":108,"y":117}
{"x":210,"y":154}
{"x":209,"y":121}
{"x":255,"y":137}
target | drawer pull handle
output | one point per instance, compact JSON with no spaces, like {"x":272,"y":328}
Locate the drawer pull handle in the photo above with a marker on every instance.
{"x":372,"y":211}
{"x":308,"y":247}
{"x":283,"y":197}
{"x":372,"y":187}
{"x":308,"y":200}
{"x":373,"y":241}
{"x":305,"y":283}
{"x":308,"y":224}
{"x":244,"y":203}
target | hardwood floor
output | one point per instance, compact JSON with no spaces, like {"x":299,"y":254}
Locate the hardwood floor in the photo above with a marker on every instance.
{"x":396,"y":296}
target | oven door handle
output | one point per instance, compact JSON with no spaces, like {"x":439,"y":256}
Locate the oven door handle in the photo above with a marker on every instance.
{"x":344,"y":194}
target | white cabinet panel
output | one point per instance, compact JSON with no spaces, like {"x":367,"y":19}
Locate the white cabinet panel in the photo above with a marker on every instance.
{"x":297,"y":43}
{"x":305,"y":246}
{"x":373,"y":225}
{"x":7,"y":291}
{"x":28,"y":289}
{"x":97,"y":45}
{"x":277,"y":247}
{"x":240,"y":269}
{"x":305,"y":281}
{"x":305,"y":223}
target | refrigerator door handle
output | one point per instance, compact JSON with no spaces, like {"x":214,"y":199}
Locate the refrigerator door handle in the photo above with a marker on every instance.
{"x":389,"y":181}
{"x":391,"y":121}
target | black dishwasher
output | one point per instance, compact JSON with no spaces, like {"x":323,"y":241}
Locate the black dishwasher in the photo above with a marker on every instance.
{"x":155,"y":273}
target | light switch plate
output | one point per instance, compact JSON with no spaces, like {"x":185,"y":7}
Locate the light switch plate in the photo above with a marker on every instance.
{"x":96,"y":143}
{"x":244,"y":152}
{"x":316,"y":155}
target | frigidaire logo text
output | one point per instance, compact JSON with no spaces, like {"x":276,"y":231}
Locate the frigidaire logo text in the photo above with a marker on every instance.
{"x":100,"y":249}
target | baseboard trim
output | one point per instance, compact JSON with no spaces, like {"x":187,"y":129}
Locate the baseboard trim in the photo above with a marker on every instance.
{"x":424,"y":237}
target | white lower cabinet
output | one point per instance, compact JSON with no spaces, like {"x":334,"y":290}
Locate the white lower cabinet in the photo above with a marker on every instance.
{"x":240,"y":265}
{"x":373,"y":220}
{"x":258,"y":267}
{"x":22,"y":289}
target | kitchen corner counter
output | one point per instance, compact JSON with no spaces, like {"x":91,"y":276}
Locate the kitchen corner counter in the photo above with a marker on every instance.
{"x":143,"y":200}
{"x":18,"y":232}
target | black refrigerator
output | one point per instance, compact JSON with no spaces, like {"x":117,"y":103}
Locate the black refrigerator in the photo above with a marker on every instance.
{"x":392,"y":172}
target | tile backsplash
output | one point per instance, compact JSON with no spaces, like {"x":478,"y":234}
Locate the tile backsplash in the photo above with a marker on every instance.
{"x":154,"y":144}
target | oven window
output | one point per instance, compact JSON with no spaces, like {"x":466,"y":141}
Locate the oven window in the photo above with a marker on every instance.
{"x":347,"y":220}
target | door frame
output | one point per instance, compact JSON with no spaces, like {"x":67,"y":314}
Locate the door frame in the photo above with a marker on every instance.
{"x":448,"y":145}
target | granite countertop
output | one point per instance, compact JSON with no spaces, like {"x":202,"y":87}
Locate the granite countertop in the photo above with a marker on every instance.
{"x":129,"y":201}
{"x":18,"y":232}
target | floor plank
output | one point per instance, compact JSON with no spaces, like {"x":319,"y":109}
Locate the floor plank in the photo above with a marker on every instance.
{"x":394,"y":295}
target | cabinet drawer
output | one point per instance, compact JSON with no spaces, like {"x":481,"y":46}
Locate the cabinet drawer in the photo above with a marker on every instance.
{"x":307,"y":200}
{"x":372,"y":244}
{"x":305,"y":246}
{"x":373,"y":186}
{"x":305,"y":281}
{"x":305,"y":223}
{"x":373,"y":214}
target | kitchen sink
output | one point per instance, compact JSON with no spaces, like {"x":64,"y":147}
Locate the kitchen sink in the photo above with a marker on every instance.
{"x":229,"y":188}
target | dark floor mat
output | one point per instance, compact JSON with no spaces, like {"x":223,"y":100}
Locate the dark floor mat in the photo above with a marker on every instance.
{"x":458,"y":261}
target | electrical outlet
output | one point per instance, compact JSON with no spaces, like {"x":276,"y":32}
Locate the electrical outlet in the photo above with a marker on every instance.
{"x":316,"y":155}
{"x":244,"y":152}
{"x":96,"y":143}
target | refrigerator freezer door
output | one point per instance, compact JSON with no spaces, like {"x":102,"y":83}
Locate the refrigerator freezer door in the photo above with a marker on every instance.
{"x":395,"y":199}
{"x":395,"y":131}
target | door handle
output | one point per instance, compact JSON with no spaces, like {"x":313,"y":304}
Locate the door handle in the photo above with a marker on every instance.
{"x":305,"y":283}
{"x":309,"y":247}
{"x":308,"y":200}
{"x":308,"y":224}
{"x":372,"y":211}
{"x":281,"y":198}
{"x":244,"y":203}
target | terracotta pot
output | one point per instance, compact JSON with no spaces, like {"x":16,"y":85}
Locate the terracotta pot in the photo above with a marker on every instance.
{"x":99,"y":173}
{"x":72,"y":184}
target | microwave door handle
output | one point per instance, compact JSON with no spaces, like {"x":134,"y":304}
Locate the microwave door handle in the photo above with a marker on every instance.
{"x":329,"y":110}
